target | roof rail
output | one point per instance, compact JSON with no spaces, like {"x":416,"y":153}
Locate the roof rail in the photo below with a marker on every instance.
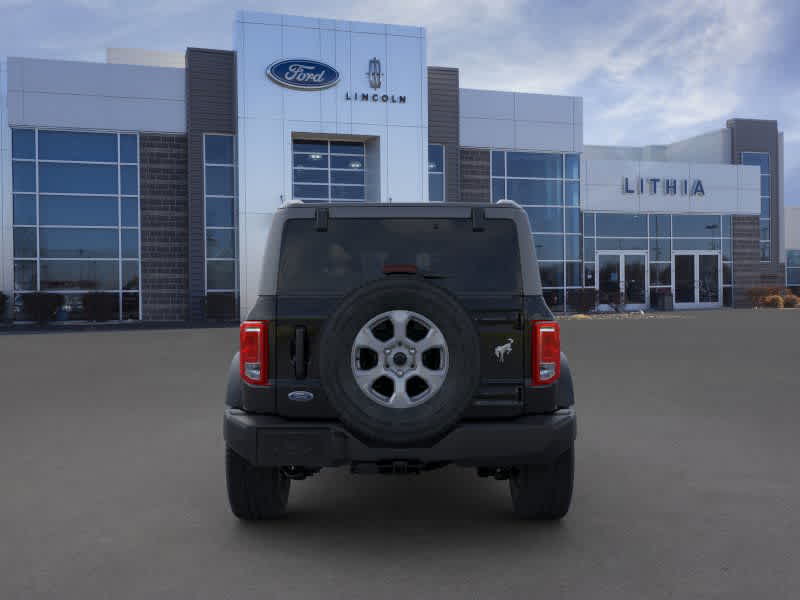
{"x":291,"y":202}
{"x":507,"y":202}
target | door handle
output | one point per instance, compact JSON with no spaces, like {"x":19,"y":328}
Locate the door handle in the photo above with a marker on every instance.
{"x":300,"y":353}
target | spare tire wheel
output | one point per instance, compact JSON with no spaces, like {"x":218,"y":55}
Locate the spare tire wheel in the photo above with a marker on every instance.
{"x":400,"y":362}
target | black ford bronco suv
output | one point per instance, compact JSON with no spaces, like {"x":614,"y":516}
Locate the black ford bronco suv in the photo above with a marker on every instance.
{"x":398,"y":339}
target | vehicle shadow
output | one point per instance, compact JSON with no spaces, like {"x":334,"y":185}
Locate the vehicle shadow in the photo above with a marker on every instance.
{"x":447,"y":508}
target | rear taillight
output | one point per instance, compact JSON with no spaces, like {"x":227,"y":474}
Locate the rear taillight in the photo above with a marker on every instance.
{"x":254,"y":352}
{"x":545,"y":352}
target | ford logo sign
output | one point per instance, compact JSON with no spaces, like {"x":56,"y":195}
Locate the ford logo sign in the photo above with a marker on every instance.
{"x":303,"y":74}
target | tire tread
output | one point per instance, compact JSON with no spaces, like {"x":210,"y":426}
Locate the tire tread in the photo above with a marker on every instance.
{"x":544,"y":492}
{"x":255,"y":493}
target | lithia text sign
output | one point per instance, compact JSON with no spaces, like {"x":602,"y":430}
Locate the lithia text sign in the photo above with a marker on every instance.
{"x":669,"y":187}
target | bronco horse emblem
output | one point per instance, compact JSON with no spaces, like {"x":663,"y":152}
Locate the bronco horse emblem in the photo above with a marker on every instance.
{"x":502,"y":351}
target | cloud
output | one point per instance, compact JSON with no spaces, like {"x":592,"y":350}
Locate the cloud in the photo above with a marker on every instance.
{"x":685,"y":74}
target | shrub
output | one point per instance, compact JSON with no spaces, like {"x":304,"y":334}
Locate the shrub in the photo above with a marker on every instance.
{"x":758,"y":295}
{"x":773,"y":301}
{"x":100,"y":306}
{"x":41,"y":306}
{"x":3,"y":306}
{"x":790,"y":300}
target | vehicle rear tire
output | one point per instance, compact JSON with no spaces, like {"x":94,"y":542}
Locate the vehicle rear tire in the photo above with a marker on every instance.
{"x":543,"y":492}
{"x":255,"y":493}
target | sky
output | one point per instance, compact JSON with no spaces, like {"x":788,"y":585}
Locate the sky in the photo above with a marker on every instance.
{"x":649,"y":72}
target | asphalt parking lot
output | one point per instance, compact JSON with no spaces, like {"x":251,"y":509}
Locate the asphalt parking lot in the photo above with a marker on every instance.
{"x":687,"y":482}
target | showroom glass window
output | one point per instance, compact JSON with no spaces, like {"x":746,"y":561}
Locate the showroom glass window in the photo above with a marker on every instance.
{"x":793,"y":268}
{"x":436,"y":172}
{"x":222,"y":281}
{"x":76,"y":218}
{"x":761,"y":160}
{"x":325,"y":171}
{"x":547,"y":186}
{"x":658,"y":235}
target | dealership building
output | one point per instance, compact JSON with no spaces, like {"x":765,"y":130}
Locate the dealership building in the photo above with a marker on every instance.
{"x":154,"y":176}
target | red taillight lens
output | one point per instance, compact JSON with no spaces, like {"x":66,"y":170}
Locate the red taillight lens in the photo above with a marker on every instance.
{"x":545,"y":352}
{"x":254,"y":352}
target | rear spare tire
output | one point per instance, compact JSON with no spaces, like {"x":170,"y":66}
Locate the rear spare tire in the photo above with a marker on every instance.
{"x":399,"y":360}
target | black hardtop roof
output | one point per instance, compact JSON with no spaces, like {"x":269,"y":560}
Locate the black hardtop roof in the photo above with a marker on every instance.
{"x":383,"y":207}
{"x":377,"y":210}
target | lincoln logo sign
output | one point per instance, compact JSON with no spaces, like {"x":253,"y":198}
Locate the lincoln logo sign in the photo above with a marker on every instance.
{"x":375,"y":78}
{"x":374,"y":74}
{"x":302,"y":74}
{"x":670,"y":187}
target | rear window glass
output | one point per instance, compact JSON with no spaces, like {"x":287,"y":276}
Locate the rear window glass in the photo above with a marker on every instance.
{"x":355,"y":251}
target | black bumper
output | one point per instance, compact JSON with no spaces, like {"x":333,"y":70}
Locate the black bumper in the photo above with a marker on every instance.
{"x":273,"y":441}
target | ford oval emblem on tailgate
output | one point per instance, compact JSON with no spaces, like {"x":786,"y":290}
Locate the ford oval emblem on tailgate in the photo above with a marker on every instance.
{"x":301,"y":396}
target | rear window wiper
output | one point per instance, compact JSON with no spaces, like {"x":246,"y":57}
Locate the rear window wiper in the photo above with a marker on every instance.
{"x":432,"y":275}
{"x":408,"y":269}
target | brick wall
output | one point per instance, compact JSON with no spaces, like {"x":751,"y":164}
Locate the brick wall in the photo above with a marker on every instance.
{"x":165,"y":227}
{"x":748,"y":270}
{"x":443,"y":124}
{"x":475,"y":185}
{"x":210,"y":108}
{"x":746,"y":266}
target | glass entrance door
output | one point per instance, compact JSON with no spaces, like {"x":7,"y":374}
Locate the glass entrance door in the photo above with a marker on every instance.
{"x":697,"y":279}
{"x":684,"y":279}
{"x":622,"y":280}
{"x":609,"y":279}
{"x":708,"y":279}
{"x":634,"y":282}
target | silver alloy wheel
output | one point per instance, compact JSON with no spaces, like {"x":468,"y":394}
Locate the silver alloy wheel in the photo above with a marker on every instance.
{"x":399,"y":359}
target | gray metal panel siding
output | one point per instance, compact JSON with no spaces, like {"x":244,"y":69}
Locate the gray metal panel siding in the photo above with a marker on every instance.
{"x":753,"y":135}
{"x":210,"y":108}
{"x":443,"y":123}
{"x":91,"y":95}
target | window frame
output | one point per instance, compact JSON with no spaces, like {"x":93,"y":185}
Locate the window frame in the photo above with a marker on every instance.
{"x":792,"y":270}
{"x":563,"y":205}
{"x":37,"y":193}
{"x":763,"y":242}
{"x":443,"y":173}
{"x":235,"y":218}
{"x":329,"y":169}
{"x":723,"y":235}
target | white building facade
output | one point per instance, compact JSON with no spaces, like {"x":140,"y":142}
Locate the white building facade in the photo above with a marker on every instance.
{"x":391,"y":125}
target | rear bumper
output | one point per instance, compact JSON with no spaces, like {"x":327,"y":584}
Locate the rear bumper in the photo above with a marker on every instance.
{"x":273,"y":441}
